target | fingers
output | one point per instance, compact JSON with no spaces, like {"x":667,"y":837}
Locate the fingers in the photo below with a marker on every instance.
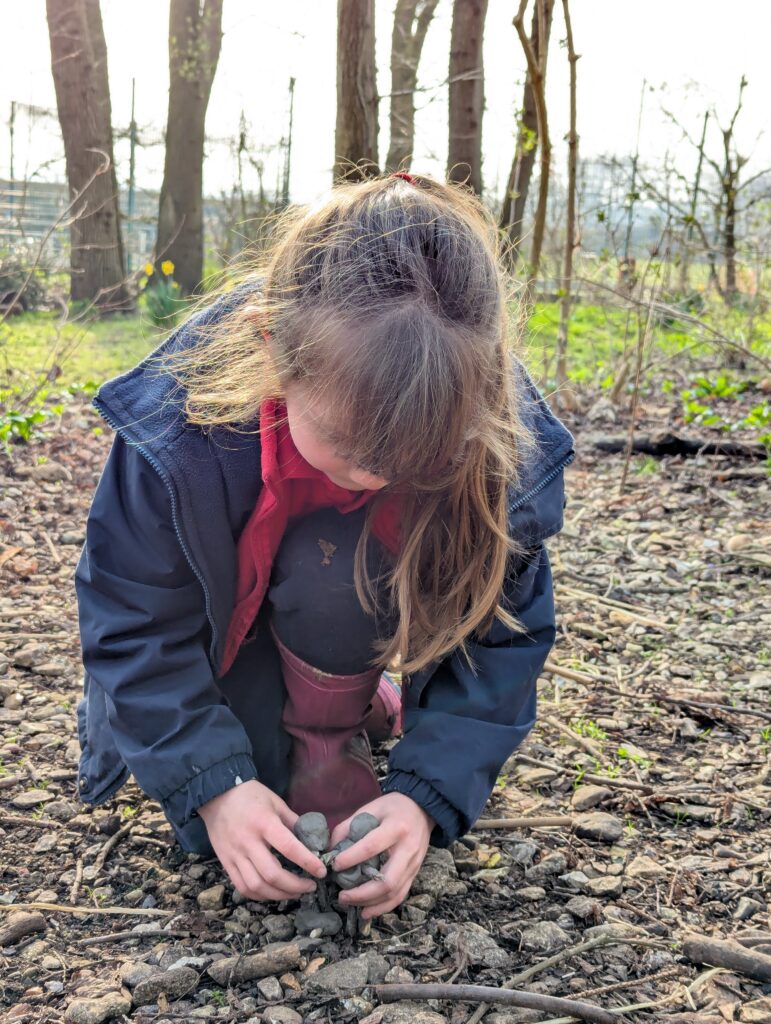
{"x":279,"y":878}
{"x":290,"y":846}
{"x":397,"y":878}
{"x":249,"y":883}
{"x":377,"y":841}
{"x":341,"y":831}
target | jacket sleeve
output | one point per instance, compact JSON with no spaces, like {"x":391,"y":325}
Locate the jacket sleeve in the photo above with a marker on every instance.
{"x":463,"y":722}
{"x":144,"y":635}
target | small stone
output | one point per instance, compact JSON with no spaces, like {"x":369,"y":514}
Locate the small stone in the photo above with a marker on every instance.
{"x":404,"y":1012}
{"x":619,"y":930}
{"x":576,"y":881}
{"x":552,"y":864}
{"x":544,"y":936}
{"x":438,"y":875}
{"x":173,"y":983}
{"x":399,"y":975}
{"x":585,"y":797}
{"x":94,"y":1011}
{"x":599,"y":826}
{"x":20,"y":924}
{"x":134,"y":971}
{"x":522,"y":853}
{"x":31,"y":798}
{"x":583,"y":908}
{"x":527,"y":776}
{"x":477,"y":945}
{"x":605,"y":886}
{"x":280,"y":1015}
{"x":362,"y":825}
{"x":270,"y":989}
{"x":645,"y":867}
{"x":327,"y":923}
{"x":212,"y":899}
{"x":50,"y":471}
{"x":530,"y":894}
{"x":758,"y":1011}
{"x":279,"y":926}
{"x":747,"y":908}
{"x":345,"y":974}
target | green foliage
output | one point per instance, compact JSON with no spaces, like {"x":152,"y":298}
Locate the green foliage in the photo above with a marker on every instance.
{"x":586,"y":727}
{"x":163,"y":297}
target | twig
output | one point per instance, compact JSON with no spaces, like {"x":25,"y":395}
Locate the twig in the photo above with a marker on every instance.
{"x":78,"y":879}
{"x":98,"y":940}
{"x":574,"y":737}
{"x":111,"y":842}
{"x":124,"y":911}
{"x":549,"y":821}
{"x":486,"y":993}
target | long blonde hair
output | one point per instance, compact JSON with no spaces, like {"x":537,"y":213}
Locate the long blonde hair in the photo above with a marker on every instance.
{"x":389,"y":302}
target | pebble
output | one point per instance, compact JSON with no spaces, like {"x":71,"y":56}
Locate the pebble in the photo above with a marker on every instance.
{"x":604,"y":828}
{"x":747,"y":908}
{"x":270,"y":989}
{"x":530,"y":893}
{"x":522,"y":853}
{"x":83,"y":1010}
{"x":31,"y":798}
{"x":576,"y":881}
{"x":404,"y":1012}
{"x":477,"y":945}
{"x":527,"y":776}
{"x":17,"y":925}
{"x":585,"y":797}
{"x":645,"y":867}
{"x":438,"y":875}
{"x":212,"y":899}
{"x":345,"y":974}
{"x":134,"y":971}
{"x":173,"y":983}
{"x":583,"y":908}
{"x":274,"y":958}
{"x":552,"y":864}
{"x":605,"y":886}
{"x":326,"y":923}
{"x":277,"y":1015}
{"x":279,"y":926}
{"x":544,"y":936}
{"x":398,"y":975}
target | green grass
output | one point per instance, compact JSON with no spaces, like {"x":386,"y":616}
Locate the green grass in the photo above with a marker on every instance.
{"x":32,"y":343}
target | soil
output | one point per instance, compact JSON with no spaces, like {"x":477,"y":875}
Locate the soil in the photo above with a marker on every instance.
{"x":654,"y":734}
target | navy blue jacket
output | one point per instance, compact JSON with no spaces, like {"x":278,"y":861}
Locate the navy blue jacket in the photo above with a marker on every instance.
{"x":156,"y":583}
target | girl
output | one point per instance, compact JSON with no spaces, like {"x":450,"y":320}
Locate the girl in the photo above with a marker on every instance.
{"x":334,"y":467}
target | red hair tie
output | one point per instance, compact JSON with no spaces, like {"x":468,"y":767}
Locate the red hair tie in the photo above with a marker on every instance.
{"x":403,"y":174}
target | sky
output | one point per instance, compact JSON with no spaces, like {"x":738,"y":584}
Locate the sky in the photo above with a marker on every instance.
{"x":690,"y":53}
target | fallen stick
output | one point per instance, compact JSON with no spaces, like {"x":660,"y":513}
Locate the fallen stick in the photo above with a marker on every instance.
{"x":125,"y":911}
{"x":547,"y":821}
{"x":109,"y":845}
{"x":486,"y":993}
{"x":575,"y":737}
{"x":601,"y":780}
{"x":98,"y":940}
{"x":726,"y":953}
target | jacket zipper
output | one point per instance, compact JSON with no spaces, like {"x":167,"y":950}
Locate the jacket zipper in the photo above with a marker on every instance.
{"x":541,"y":484}
{"x":174,"y":516}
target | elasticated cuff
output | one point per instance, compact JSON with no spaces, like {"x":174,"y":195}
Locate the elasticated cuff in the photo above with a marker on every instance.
{"x":449,"y":824}
{"x":182,"y":805}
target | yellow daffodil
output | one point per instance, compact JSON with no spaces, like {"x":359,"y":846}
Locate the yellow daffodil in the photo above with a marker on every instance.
{"x":167,"y":267}
{"x":149,"y":269}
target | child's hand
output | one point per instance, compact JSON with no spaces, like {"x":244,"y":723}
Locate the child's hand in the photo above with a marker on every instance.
{"x":245,"y":824}
{"x":404,"y":831}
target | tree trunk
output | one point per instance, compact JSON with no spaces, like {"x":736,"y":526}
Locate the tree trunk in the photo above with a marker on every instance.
{"x":467,"y":93}
{"x":518,"y":185}
{"x":356,"y":127}
{"x":406,"y":46}
{"x":536,"y":66}
{"x":564,"y":396}
{"x":79,"y":66}
{"x":195,"y":36}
